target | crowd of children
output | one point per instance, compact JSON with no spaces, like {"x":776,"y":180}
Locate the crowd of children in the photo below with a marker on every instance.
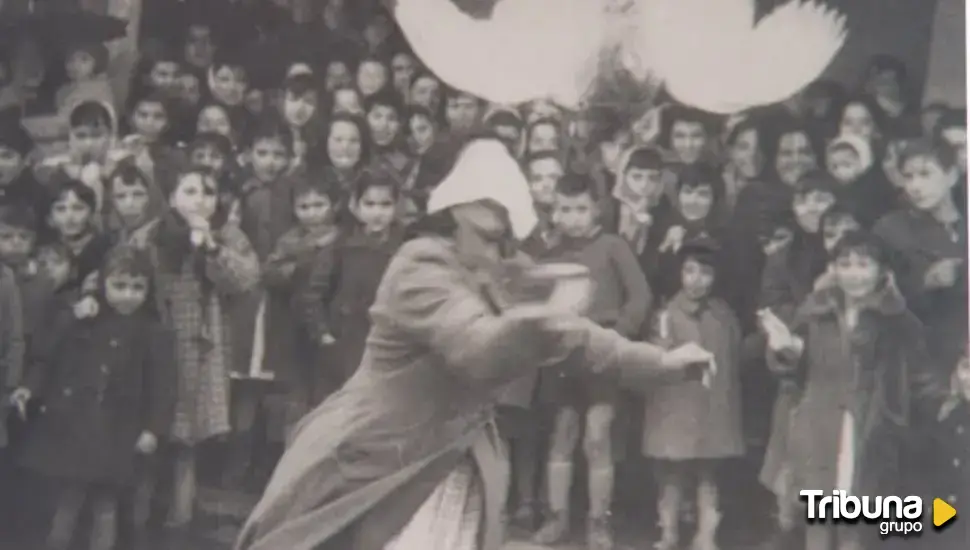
{"x":199,"y":261}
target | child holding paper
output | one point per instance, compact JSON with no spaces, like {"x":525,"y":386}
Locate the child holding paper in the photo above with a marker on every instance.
{"x":691,"y":426}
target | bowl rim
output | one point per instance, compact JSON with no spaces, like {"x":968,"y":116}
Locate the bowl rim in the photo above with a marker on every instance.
{"x":559,"y":270}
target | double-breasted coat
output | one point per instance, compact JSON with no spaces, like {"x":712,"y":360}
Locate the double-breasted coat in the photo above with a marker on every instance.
{"x":103,"y":381}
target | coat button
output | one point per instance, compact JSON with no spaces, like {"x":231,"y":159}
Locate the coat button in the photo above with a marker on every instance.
{"x":113,"y":343}
{"x":960,"y":430}
{"x":68,"y":392}
{"x":104,"y":369}
{"x":956,"y":462}
{"x":952,"y":499}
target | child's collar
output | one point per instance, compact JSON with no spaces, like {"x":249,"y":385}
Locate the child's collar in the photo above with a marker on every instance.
{"x":689,"y":306}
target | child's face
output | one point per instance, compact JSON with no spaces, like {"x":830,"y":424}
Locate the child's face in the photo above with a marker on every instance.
{"x":377,"y":31}
{"x":149,"y":120}
{"x":890,"y":163}
{"x":688,"y":139}
{"x":312,"y":209}
{"x":125,"y":293}
{"x":199,"y":48}
{"x":857,"y":274}
{"x":695,"y":201}
{"x":745,"y":156}
{"x":645,"y":182}
{"x":809,"y":208}
{"x":422,"y":133}
{"x":612,"y":150}
{"x":190,"y":90}
{"x":88,"y":143}
{"x":403,"y":68}
{"x":835,"y":228}
{"x":426,"y":91}
{"x":857,"y":121}
{"x":79,"y":65}
{"x":299,"y":110}
{"x":214,"y":120}
{"x":574,"y":216}
{"x":375,"y":208}
{"x":384,"y":124}
{"x":270,"y":159}
{"x":164,"y":76}
{"x":130,"y":201}
{"x":956,"y":136}
{"x":795,"y":157}
{"x":844,"y":165}
{"x":927,"y":184}
{"x":544,"y":174}
{"x":209,"y":157}
{"x":70,"y":216}
{"x":543,"y":138}
{"x":255,"y":101}
{"x":337,"y":75}
{"x":16,"y":244}
{"x":11,"y":165}
{"x":462,"y":112}
{"x":344,"y":145}
{"x":696,"y":279}
{"x":195,"y":197}
{"x":371,"y":77}
{"x":346,"y":100}
{"x":229,"y":85}
{"x":55,"y":265}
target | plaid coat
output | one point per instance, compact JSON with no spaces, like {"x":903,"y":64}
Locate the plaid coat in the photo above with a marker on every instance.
{"x":203,"y":339}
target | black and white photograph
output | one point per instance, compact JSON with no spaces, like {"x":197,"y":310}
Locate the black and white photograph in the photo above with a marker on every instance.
{"x":484,"y":275}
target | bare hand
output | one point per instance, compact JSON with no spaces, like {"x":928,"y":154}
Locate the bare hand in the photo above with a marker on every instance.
{"x":328,"y":340}
{"x":86,"y":307}
{"x":147,"y":443}
{"x":943,"y":273}
{"x":685,"y":356}
{"x":19,"y":399}
{"x":779,"y":336}
{"x":674,"y":239}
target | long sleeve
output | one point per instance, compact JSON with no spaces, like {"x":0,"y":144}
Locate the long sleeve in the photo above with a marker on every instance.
{"x":14,"y":347}
{"x":234,"y":268}
{"x":280,"y":265}
{"x":636,"y":292}
{"x":435,"y":302}
{"x":46,"y":348}
{"x":160,"y":380}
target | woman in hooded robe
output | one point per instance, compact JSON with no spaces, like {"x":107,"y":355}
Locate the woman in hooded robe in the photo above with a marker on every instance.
{"x":406,"y":455}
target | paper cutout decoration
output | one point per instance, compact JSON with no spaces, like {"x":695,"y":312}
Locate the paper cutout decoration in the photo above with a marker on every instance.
{"x":713,"y":56}
{"x":526,"y":50}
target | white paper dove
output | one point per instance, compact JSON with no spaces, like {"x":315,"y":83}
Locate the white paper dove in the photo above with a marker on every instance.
{"x":735,"y":64}
{"x":526,"y":50}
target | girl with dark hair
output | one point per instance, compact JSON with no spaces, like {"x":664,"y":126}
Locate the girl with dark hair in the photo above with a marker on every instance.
{"x":199,"y":264}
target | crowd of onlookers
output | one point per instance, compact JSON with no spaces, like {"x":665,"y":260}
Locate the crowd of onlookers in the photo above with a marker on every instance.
{"x":194,"y":263}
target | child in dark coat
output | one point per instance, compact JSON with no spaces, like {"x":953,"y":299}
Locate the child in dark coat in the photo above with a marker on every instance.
{"x":345,"y":277}
{"x":621,"y":301}
{"x":289,"y":352}
{"x":108,"y":383}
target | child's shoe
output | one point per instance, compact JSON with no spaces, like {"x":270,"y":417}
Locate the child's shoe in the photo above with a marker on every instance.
{"x":707,"y":523}
{"x":554,"y":530}
{"x":525,"y":516}
{"x":599,"y":534}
